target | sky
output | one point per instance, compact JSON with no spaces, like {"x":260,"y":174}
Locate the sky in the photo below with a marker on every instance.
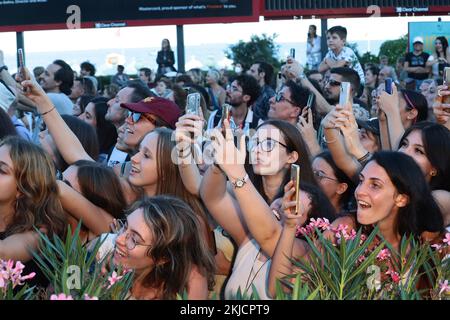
{"x":288,"y":31}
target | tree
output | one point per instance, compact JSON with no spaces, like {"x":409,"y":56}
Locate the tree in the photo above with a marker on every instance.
{"x":258,"y":48}
{"x":394,"y":49}
{"x":366,"y":57}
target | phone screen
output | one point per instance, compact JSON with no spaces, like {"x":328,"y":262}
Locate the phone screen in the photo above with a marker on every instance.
{"x":388,"y":85}
{"x":226,"y":112}
{"x":193,"y":104}
{"x":295,"y":177}
{"x":345,"y":94}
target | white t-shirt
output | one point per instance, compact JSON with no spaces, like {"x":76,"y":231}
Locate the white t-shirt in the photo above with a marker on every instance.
{"x":249,"y":271}
{"x":62,"y":102}
{"x":117,"y":157}
{"x":348,"y":55}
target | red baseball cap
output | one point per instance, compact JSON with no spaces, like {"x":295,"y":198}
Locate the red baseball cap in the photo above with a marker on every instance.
{"x":163,"y":108}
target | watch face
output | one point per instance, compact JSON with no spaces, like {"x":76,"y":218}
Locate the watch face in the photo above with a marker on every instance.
{"x":239,"y":183}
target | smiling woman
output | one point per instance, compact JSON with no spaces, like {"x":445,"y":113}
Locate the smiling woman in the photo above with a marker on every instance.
{"x":393,"y":194}
{"x":160,"y":241}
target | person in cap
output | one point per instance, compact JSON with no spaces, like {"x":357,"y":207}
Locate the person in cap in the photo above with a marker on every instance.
{"x":146,"y":115}
{"x":415,"y":63}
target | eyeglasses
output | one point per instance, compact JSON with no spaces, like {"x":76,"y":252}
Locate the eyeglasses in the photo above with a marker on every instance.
{"x":233,"y":88}
{"x":130,"y":240}
{"x":136,"y":116}
{"x":333,"y":83}
{"x":267,"y":145}
{"x":320,"y":176}
{"x":279,"y":97}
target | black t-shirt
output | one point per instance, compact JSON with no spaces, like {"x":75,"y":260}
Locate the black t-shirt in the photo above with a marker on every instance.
{"x":417,"y":61}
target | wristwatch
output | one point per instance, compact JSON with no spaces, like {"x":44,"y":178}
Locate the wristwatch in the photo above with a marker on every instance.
{"x":239,"y":183}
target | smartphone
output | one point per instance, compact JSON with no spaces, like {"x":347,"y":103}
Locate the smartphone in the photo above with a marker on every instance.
{"x":388,"y":85}
{"x":226,"y":112}
{"x":21,"y":64}
{"x":292,"y":53}
{"x":310,"y":100}
{"x":295,"y":177}
{"x":446,"y":82}
{"x":193,"y":104}
{"x":345,"y":94}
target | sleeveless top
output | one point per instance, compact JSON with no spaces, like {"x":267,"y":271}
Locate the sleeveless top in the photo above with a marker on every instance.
{"x":249,"y":271}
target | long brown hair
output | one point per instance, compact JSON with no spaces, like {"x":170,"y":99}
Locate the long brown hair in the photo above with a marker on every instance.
{"x":101,"y":186}
{"x":294,"y":142}
{"x":38,"y":204}
{"x":177,"y":245}
{"x":170,"y":182}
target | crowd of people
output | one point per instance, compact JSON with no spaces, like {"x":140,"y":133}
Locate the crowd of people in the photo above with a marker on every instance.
{"x":205,"y":200}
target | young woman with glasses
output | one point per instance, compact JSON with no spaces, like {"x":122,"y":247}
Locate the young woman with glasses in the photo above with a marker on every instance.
{"x":243,"y":210}
{"x":160,"y":241}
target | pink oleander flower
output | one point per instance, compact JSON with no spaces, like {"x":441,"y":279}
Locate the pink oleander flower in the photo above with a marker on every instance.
{"x":13,"y":273}
{"x":437,"y":246}
{"x":87,"y":297}
{"x":394,"y":275}
{"x":60,"y":296}
{"x":384,"y":255}
{"x":444,"y":286}
{"x":113,"y":279}
{"x":447,"y":239}
{"x":361,"y":258}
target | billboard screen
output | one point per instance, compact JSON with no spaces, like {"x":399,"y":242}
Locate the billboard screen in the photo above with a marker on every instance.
{"x":23,"y":15}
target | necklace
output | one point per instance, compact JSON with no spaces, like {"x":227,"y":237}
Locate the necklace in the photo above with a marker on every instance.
{"x":248,"y":283}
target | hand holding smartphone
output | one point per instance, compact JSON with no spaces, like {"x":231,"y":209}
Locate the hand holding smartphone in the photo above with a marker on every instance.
{"x":295,"y":177}
{"x":21,"y":72}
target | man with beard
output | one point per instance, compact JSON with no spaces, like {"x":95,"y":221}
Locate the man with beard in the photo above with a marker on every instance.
{"x":241,"y":95}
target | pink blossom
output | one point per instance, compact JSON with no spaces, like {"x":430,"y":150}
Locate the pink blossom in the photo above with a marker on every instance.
{"x":361,"y":258}
{"x":113,"y":279}
{"x":447,"y":238}
{"x":444,"y":286}
{"x":60,"y":296}
{"x":13,"y":273}
{"x":436,"y":246}
{"x":383,"y":255}
{"x":394,"y":275}
{"x":87,"y":297}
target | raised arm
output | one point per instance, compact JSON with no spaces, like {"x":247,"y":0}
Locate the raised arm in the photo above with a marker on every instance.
{"x":336,"y":145}
{"x":18,"y":246}
{"x":389,"y":103}
{"x":67,"y":143}
{"x":258,"y":217}
{"x":294,"y":71}
{"x":97,"y":220}
{"x":309,"y":134}
{"x":189,"y":126}
{"x":288,"y":245}
{"x":221,"y":205}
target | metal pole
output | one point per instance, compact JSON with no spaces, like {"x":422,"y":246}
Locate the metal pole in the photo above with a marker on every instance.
{"x":180,"y":48}
{"x":323,"y":42}
{"x":20,"y":43}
